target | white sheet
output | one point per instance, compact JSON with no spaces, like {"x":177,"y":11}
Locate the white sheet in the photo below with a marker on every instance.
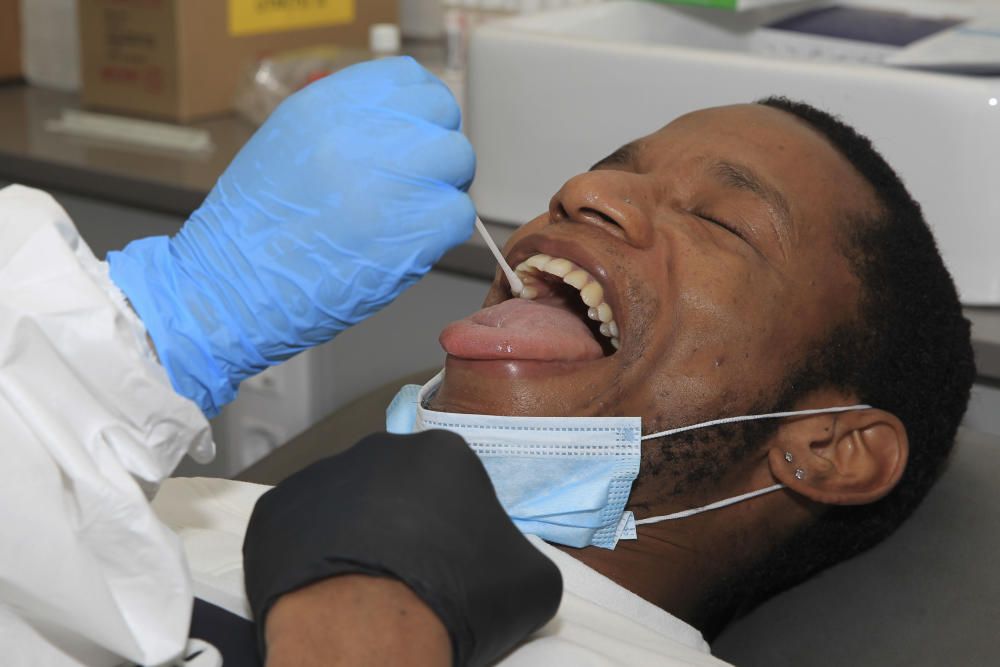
{"x":599,"y":623}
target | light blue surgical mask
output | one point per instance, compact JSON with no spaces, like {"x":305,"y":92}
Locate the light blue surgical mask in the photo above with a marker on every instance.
{"x":564,"y":479}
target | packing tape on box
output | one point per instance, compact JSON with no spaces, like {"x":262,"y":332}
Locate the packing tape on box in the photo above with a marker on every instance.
{"x":255,"y":17}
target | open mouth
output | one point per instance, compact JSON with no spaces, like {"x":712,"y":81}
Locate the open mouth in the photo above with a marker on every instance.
{"x":560,"y":283}
{"x":563,"y":315}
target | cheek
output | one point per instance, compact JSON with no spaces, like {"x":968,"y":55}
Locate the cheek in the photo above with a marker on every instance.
{"x":736,"y":321}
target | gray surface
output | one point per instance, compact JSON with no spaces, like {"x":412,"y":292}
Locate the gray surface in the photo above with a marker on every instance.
{"x":160,"y":181}
{"x":986,"y":342}
{"x":363,"y":416}
{"x":927,"y":597}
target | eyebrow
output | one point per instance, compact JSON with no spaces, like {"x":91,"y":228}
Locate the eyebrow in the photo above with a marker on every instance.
{"x":742,"y":177}
{"x":623,"y":157}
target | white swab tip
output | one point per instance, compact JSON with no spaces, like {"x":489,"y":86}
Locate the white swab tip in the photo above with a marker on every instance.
{"x":516,"y":285}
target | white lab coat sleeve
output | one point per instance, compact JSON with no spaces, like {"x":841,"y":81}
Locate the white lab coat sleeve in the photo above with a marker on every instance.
{"x":89,"y":425}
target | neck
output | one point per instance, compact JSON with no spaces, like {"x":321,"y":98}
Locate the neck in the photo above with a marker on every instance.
{"x":682,"y":565}
{"x":674,"y":569}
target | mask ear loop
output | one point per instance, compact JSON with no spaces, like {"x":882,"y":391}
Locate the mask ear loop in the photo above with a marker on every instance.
{"x":707,"y":508}
{"x":748,"y":418}
{"x":732,"y":420}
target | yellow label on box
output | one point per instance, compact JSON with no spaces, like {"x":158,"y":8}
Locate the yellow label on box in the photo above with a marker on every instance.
{"x":255,"y":17}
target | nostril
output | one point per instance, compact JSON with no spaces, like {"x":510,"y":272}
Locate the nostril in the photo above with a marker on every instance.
{"x":600,"y":216}
{"x":561,"y":212}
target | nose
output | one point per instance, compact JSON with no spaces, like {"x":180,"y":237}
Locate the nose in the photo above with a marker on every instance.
{"x":607,"y":199}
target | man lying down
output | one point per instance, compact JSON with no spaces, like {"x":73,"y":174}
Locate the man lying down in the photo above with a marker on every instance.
{"x":743,"y":260}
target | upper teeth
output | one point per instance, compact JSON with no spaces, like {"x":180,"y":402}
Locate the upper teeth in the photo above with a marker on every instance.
{"x":591,"y":291}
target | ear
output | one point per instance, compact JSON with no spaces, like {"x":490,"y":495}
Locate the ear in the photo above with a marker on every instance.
{"x":847,"y":458}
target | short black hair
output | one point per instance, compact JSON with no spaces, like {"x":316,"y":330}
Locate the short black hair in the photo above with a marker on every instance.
{"x":908,"y":351}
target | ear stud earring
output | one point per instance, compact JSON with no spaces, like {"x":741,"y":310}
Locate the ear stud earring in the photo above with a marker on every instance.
{"x":789,"y":457}
{"x":800,"y":473}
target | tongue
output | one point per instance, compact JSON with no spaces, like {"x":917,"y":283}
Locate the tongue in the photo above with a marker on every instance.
{"x":521,"y":329}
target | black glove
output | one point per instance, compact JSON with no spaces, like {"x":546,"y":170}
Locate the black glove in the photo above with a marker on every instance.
{"x":418,"y":508}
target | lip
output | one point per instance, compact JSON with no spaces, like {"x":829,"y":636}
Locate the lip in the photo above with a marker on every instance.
{"x":522,"y":369}
{"x":538,"y":243}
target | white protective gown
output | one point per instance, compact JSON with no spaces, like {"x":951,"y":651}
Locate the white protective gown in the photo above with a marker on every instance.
{"x":89,"y":425}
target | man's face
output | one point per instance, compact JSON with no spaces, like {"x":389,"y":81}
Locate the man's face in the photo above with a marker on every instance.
{"x":715,"y":242}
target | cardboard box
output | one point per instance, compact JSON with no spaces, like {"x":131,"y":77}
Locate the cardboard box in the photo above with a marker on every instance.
{"x":182,"y":59}
{"x":10,"y":39}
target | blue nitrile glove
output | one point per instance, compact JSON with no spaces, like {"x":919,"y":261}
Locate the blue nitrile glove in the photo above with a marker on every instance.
{"x":348,"y":194}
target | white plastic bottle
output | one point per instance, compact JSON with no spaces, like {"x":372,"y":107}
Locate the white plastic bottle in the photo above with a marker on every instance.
{"x":276,"y":77}
{"x":384,"y":40}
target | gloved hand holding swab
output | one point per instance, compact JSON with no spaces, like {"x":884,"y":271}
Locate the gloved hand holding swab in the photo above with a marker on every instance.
{"x":516,"y":286}
{"x":306,"y":240}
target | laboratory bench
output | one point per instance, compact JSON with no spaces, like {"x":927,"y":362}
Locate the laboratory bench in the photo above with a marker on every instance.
{"x":167,"y":184}
{"x":117,"y":192}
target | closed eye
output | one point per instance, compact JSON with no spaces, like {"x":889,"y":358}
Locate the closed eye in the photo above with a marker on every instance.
{"x":732,"y":229}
